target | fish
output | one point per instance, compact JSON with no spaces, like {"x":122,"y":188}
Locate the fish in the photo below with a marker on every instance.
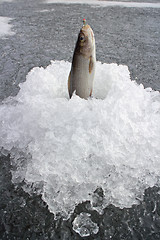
{"x":82,"y":72}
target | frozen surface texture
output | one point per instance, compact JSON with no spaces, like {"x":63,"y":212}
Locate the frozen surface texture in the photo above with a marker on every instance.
{"x":5,"y":27}
{"x":84,"y":226}
{"x":72,"y":147}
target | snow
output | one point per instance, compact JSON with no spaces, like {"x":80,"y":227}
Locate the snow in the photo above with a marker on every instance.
{"x":67,"y":148}
{"x":5,"y":27}
{"x":107,"y":3}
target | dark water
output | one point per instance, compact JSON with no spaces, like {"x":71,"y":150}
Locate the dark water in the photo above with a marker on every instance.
{"x":129,"y":36}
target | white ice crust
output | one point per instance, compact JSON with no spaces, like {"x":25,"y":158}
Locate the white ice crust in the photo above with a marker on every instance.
{"x":107,"y":3}
{"x":74,"y":146}
{"x":1,"y":1}
{"x":5,"y":27}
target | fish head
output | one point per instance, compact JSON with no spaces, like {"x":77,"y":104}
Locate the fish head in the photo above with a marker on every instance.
{"x":86,"y":41}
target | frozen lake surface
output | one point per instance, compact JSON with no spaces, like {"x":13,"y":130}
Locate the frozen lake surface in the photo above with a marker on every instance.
{"x":74,"y":168}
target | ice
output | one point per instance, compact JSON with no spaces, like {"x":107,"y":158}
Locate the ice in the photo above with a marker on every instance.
{"x":106,"y":3}
{"x":105,"y":150}
{"x":46,"y":10}
{"x":1,"y":1}
{"x":5,"y":27}
{"x":84,"y":226}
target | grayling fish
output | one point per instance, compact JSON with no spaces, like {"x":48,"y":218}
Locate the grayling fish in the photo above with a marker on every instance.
{"x":83,"y":64}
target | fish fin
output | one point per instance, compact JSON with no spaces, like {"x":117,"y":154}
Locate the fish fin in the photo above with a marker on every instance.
{"x":69,"y":83}
{"x":90,"y":64}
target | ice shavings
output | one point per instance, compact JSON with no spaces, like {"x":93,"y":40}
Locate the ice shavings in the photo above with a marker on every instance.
{"x":84,"y":226}
{"x":69,"y":148}
{"x":5,"y":27}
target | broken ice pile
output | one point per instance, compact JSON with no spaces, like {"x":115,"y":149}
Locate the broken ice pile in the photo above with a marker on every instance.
{"x":72,"y":147}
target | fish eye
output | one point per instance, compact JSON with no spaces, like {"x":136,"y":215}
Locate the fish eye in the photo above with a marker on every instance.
{"x":82,"y":38}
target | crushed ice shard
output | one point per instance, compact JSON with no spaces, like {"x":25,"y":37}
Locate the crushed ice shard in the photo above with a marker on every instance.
{"x":84,"y":226}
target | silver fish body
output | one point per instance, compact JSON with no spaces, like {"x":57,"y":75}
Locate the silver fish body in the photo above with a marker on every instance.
{"x":83,"y":64}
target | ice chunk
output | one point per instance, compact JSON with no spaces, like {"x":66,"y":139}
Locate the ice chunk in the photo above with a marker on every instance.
{"x":84,"y":226}
{"x":69,"y":148}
